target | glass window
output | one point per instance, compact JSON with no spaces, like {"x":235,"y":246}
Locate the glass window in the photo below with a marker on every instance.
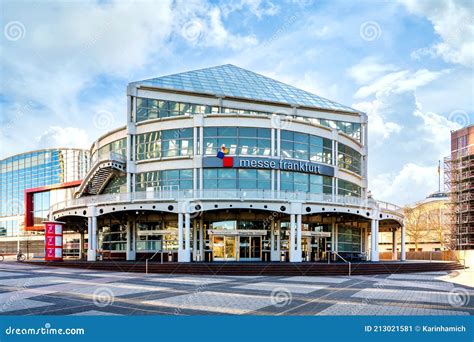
{"x":167,"y":143}
{"x":346,"y":188}
{"x":148,"y":109}
{"x":349,"y":159}
{"x":241,"y":141}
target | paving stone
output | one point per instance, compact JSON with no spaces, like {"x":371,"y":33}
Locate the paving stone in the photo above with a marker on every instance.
{"x":331,"y":280}
{"x":20,"y":304}
{"x":279,"y":287}
{"x":356,"y":309}
{"x":215,"y":302}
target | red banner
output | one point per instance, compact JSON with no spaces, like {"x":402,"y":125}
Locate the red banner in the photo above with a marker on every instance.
{"x":53,"y":241}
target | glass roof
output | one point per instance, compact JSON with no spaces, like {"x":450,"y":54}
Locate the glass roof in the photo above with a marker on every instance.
{"x":231,"y":81}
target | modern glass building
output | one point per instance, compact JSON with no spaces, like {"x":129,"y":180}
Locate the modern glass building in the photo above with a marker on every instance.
{"x":29,"y":184}
{"x":223,"y":164}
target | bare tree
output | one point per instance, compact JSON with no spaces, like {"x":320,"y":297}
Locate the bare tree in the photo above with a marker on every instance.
{"x":416,"y":225}
{"x":439,"y":226}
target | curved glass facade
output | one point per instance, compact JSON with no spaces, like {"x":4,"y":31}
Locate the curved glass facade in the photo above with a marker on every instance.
{"x":174,"y":179}
{"x":236,"y":179}
{"x":346,"y":188}
{"x":304,"y":182}
{"x":148,"y":109}
{"x":239,"y":140}
{"x":118,"y":147}
{"x":166,"y":143}
{"x":349,"y":159}
{"x":305,"y":146}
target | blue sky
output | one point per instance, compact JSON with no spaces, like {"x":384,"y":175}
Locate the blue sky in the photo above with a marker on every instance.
{"x":407,"y":64}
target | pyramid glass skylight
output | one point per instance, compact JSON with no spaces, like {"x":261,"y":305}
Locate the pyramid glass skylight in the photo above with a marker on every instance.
{"x":231,"y":81}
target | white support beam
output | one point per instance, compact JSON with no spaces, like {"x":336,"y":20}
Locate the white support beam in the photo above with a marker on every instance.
{"x":402,"y":246}
{"x":374,"y":231}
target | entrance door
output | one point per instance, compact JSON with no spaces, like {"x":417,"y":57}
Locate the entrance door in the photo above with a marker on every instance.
{"x":250,"y":248}
{"x":223,"y":248}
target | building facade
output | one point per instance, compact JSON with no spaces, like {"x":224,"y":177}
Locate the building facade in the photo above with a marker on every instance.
{"x":427,"y":226}
{"x":459,"y":183}
{"x":29,"y":184}
{"x":223,"y":164}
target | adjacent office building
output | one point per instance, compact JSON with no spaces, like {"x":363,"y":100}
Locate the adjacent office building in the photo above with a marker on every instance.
{"x":223,"y":164}
{"x":29,"y":184}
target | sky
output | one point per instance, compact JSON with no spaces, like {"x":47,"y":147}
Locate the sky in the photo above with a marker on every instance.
{"x":408,"y":64}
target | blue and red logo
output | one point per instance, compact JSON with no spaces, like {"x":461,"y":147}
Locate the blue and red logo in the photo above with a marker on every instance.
{"x":226,"y":161}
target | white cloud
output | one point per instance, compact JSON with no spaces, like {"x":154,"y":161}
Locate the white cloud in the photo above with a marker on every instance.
{"x":452,"y":21}
{"x":412,"y":183}
{"x":56,"y":136}
{"x":258,"y":8}
{"x":399,"y":81}
{"x":368,"y":70}
{"x":405,"y":142}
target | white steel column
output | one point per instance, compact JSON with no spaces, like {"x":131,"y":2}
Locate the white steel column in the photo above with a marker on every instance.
{"x":299,"y":241}
{"x":180,"y":237}
{"x":92,"y":234}
{"x":374,"y":246}
{"x":394,"y":245}
{"x":201,"y":239}
{"x":187,"y":237}
{"x":292,"y":237}
{"x":278,"y":240}
{"x":274,"y":244}
{"x":195,"y":244}
{"x":131,"y":251}
{"x":402,"y":246}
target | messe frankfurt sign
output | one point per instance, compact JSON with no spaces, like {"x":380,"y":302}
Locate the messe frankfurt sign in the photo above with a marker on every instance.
{"x":269,"y":163}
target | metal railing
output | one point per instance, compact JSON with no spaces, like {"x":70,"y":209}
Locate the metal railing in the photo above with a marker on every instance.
{"x":211,"y":194}
{"x":154,"y":255}
{"x":388,"y":206}
{"x":338,"y":255}
{"x":111,"y":155}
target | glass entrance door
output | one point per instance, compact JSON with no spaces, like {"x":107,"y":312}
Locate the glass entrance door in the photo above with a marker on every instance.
{"x":250,"y":248}
{"x":223,"y":248}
